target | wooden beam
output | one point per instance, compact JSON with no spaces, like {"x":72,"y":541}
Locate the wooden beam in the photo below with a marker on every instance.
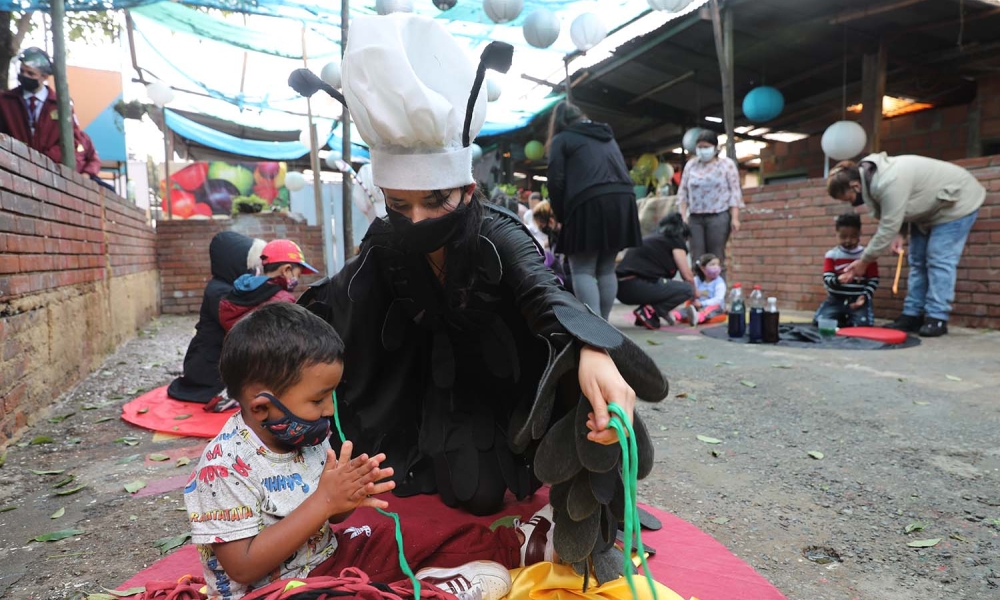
{"x":646,"y":46}
{"x":722,"y":28}
{"x":662,"y":87}
{"x":555,"y":86}
{"x":854,"y":15}
{"x":872,"y":91}
{"x":939,"y":23}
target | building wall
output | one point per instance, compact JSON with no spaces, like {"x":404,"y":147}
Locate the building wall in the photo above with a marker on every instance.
{"x":787,"y":228}
{"x":182,"y":252}
{"x":77,"y":277}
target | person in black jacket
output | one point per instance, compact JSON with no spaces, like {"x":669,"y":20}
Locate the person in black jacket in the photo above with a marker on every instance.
{"x":232,"y":254}
{"x":592,"y":196}
{"x":646,"y":274}
{"x":464,"y":356}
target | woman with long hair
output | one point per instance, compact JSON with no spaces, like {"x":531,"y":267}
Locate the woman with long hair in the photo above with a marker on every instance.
{"x":592,"y":196}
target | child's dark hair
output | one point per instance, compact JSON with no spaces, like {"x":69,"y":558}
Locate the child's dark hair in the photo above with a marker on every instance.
{"x":701,"y":263}
{"x":849,"y":220}
{"x":272,"y":345}
{"x":273,"y":267}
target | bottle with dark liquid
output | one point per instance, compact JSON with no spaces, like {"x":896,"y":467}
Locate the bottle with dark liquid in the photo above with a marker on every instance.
{"x":769,"y":324}
{"x":754,"y":329}
{"x":737,"y":312}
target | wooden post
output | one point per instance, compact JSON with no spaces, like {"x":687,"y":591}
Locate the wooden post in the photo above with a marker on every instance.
{"x":66,"y":140}
{"x":167,"y":155}
{"x":348,"y":202}
{"x":872,"y":91}
{"x":722,"y":27}
{"x":313,"y":143}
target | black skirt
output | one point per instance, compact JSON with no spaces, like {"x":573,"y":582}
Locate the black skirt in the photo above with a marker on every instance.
{"x":605,"y":223}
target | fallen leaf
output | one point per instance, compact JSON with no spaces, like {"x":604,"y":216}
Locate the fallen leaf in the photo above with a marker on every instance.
{"x":100,"y":596}
{"x":920,"y":403}
{"x":142,"y":411}
{"x":61,"y":418}
{"x":924,"y":543}
{"x":169,"y":543}
{"x":720,"y":520}
{"x":134,"y":486}
{"x":816,"y":454}
{"x":55,"y":536}
{"x":508,"y":521}
{"x":7,"y":509}
{"x":139,"y":390}
{"x":782,"y":366}
{"x":682,"y":395}
{"x":913,"y":527}
{"x":133,"y":518}
{"x":41,"y":439}
{"x":183,"y":461}
{"x":654,"y":342}
{"x":73,"y":440}
{"x":104,"y":420}
{"x":955,"y":536}
{"x":125,"y":593}
{"x":3,"y":459}
{"x":175,"y":428}
{"x":128,"y":440}
{"x":900,"y":379}
{"x":700,"y":356}
{"x":953,"y":378}
{"x":58,"y":513}
{"x":748,"y":383}
{"x":128,"y":459}
{"x":716,"y":454}
{"x":64,"y":481}
{"x":89,"y":407}
{"x":182,"y":417}
{"x":708,"y":440}
{"x":158,"y":457}
{"x":70,"y":490}
{"x":116,"y":397}
{"x":36,"y":472}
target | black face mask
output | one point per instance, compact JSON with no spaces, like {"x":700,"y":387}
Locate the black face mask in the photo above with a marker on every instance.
{"x":430,"y":234}
{"x":28,"y":83}
{"x":858,"y":199}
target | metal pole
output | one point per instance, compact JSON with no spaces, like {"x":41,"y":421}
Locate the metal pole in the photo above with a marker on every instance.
{"x":313,"y":142}
{"x":166,"y":163}
{"x":348,"y":204}
{"x":569,"y":82}
{"x":66,"y":140}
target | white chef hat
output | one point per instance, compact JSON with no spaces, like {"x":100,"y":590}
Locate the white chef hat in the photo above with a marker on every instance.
{"x":408,"y":85}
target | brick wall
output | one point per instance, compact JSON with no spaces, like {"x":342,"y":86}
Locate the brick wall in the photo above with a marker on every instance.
{"x":787,"y":228}
{"x":182,"y":252}
{"x":77,"y":277}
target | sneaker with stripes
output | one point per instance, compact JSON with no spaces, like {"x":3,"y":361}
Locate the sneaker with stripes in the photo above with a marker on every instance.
{"x":537,"y":532}
{"x":476,"y":580}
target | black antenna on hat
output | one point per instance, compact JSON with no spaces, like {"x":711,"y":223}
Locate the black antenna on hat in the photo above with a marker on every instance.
{"x":306,"y":83}
{"x":497,"y":56}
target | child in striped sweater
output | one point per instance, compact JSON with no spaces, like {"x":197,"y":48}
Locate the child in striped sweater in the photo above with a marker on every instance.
{"x":849,"y":303}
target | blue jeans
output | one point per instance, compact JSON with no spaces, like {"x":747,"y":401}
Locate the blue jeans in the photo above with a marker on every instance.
{"x":933,"y":260}
{"x":834,"y":308}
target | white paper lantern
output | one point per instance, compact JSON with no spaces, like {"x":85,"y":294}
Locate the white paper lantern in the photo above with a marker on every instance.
{"x":690,"y":141}
{"x":503,"y":11}
{"x":844,"y":140}
{"x":385,"y":7}
{"x":541,"y":28}
{"x":332,"y":159}
{"x":295,"y":181}
{"x":331,"y":73}
{"x":587,"y":31}
{"x":669,"y":5}
{"x":445,"y":4}
{"x":160,"y":93}
{"x":493,"y":90}
{"x":477,"y":153}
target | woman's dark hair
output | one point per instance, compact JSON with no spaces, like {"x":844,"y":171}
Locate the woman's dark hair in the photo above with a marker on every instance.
{"x":708,"y":136}
{"x":673,"y":227}
{"x":701,"y":263}
{"x":461,"y":261}
{"x":563,"y":115}
{"x":838,"y":182}
{"x":272,"y":345}
{"x":849,"y":220}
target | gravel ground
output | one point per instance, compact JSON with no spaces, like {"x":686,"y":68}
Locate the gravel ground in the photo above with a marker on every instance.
{"x":908,"y":438}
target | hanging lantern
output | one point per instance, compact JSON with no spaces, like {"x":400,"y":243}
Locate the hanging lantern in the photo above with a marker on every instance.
{"x":587,"y":31}
{"x":534,"y":150}
{"x":844,"y":140}
{"x":503,"y":11}
{"x":295,"y":181}
{"x":541,"y":28}
{"x":690,"y":141}
{"x":445,"y":4}
{"x":477,"y":153}
{"x":160,"y":93}
{"x":331,"y":73}
{"x":332,"y":158}
{"x":763,"y":104}
{"x":663,"y":174}
{"x":385,"y":7}
{"x":493,"y":90}
{"x":672,"y":6}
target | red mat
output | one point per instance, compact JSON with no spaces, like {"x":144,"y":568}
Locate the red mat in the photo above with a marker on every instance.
{"x":687,"y":560}
{"x":879,"y":334}
{"x":156,"y":411}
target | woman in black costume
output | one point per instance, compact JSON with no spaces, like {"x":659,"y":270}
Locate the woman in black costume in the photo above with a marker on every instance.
{"x":457,"y":336}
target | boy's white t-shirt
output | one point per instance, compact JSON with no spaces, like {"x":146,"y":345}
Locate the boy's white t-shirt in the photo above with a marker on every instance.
{"x":240,"y":487}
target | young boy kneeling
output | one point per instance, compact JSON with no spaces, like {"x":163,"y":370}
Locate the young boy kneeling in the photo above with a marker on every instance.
{"x":267,"y":489}
{"x":849,"y":303}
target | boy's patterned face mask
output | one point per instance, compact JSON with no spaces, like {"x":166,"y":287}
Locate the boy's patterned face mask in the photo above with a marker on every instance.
{"x":294,"y":431}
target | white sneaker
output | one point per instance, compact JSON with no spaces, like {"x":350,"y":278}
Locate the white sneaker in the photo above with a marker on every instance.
{"x":537,"y":532}
{"x":477,"y":580}
{"x":692,"y":315}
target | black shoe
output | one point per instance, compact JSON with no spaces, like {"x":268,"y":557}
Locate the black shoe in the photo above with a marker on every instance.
{"x":934,"y":328}
{"x":907,"y":323}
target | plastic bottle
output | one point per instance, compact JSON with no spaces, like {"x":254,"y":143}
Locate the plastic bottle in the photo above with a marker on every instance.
{"x":737,"y":312}
{"x":770,"y":322}
{"x":755,"y":329}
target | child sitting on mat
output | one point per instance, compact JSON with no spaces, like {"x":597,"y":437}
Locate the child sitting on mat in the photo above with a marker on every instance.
{"x":266,"y":491}
{"x":283,"y":263}
{"x":711,"y":298}
{"x":849,"y":303}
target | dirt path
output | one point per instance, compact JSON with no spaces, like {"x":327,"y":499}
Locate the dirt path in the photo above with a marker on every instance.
{"x":902,"y":443}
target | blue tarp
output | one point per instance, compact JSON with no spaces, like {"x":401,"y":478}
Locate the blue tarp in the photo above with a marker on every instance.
{"x":206,"y":136}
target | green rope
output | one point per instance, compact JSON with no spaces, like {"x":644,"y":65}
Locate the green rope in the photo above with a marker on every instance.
{"x":630,"y":477}
{"x":405,"y":566}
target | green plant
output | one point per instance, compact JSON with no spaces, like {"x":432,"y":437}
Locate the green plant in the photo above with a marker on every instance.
{"x":249,"y":204}
{"x":545,"y":191}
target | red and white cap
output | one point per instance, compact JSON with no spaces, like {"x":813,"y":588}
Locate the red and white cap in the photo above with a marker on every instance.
{"x":285,"y":251}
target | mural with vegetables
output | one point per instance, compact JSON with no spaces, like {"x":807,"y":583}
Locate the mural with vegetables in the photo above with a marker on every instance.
{"x":204,"y":189}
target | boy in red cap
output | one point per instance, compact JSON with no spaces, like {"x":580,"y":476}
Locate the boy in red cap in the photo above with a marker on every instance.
{"x":283,"y":264}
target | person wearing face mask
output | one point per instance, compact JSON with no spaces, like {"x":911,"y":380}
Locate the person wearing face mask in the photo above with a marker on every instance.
{"x":458,"y":337}
{"x":29,"y":113}
{"x":710,"y":198}
{"x":932,"y":201}
{"x":283,"y":264}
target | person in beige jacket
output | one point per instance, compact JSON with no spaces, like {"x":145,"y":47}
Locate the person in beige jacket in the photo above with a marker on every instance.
{"x":932,"y":201}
